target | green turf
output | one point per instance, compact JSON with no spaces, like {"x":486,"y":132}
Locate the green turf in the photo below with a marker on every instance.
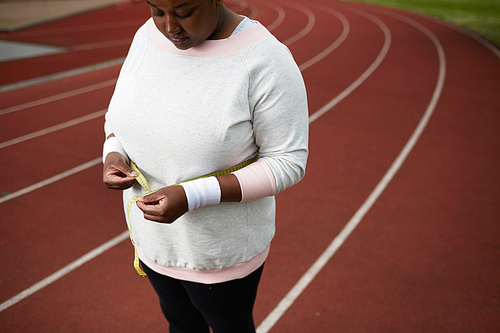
{"x":481,"y":16}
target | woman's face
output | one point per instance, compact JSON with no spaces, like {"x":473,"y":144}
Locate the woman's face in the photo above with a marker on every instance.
{"x":187,"y":23}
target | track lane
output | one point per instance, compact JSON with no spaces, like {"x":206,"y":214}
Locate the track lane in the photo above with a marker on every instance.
{"x":64,"y":221}
{"x":395,"y":131}
{"x":126,"y":20}
{"x":83,"y":142}
{"x":59,"y":140}
{"x":411,"y":277}
{"x":91,"y":299}
{"x":280,"y":11}
{"x":346,"y":125}
{"x":305,"y":238}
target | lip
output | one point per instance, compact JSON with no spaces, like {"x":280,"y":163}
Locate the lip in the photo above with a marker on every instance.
{"x":178,"y":40}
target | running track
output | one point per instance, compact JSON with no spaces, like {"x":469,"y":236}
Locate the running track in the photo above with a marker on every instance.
{"x":395,"y":227}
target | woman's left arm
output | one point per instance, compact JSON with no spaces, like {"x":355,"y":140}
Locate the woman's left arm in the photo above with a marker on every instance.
{"x":169,"y":203}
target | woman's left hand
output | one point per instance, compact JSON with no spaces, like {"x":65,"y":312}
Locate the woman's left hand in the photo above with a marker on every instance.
{"x":165,"y":205}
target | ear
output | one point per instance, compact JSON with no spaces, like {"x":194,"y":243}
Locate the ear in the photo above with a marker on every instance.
{"x":219,"y":2}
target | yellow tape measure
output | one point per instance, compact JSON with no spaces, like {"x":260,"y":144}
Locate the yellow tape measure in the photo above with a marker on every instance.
{"x":145,"y":186}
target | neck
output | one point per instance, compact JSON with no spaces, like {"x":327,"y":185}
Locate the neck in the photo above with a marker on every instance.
{"x":228,"y":21}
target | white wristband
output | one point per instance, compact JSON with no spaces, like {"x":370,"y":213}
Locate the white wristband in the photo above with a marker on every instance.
{"x":202,"y":192}
{"x":112,"y":145}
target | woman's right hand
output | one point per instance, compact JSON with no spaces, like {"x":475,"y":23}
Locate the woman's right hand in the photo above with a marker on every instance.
{"x":117,"y":174}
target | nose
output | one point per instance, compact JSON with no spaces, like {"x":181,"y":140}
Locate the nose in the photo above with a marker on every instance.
{"x":172,"y":26}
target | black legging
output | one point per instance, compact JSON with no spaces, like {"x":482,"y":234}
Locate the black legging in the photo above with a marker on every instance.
{"x":192,"y":307}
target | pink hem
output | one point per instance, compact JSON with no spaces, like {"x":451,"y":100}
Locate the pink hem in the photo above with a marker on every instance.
{"x":237,"y":271}
{"x":218,"y":47}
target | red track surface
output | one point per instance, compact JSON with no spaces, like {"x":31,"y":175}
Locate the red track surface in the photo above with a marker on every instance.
{"x":425,"y":255}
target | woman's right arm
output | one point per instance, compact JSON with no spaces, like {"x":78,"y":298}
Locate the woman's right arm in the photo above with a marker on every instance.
{"x":117,"y":174}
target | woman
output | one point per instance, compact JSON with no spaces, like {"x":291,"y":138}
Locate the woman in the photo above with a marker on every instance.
{"x":203,"y":90}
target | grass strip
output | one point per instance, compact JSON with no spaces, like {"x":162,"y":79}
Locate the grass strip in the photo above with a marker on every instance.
{"x":480,"y":16}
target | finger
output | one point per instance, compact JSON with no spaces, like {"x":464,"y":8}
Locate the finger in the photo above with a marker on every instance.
{"x":115,"y":181}
{"x":154,"y":218}
{"x":150,"y":207}
{"x":118,"y":161}
{"x":123,"y":170}
{"x":152,"y":198}
{"x":160,"y":219}
{"x":119,"y":178}
{"x":128,"y":170}
{"x":119,"y":186}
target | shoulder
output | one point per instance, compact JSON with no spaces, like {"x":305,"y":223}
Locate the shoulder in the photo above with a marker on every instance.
{"x":269,"y":58}
{"x":141,"y":35}
{"x":265,"y":48}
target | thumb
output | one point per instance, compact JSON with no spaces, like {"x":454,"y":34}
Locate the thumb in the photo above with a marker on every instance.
{"x":124,"y":168}
{"x":131,"y":172}
{"x":150,"y":197}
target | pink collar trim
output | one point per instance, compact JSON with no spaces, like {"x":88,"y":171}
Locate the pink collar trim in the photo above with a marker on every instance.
{"x":211,"y":48}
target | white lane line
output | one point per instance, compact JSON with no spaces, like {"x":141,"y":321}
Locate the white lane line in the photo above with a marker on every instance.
{"x":85,"y":28}
{"x":254,"y":12}
{"x":280,"y":19}
{"x":334,"y":45}
{"x":64,"y":271}
{"x":50,"y":180}
{"x":369,"y":71}
{"x":478,"y":38}
{"x":61,"y":75}
{"x":101,"y":45}
{"x":52,"y":129}
{"x":311,"y":273}
{"x":240,"y":6}
{"x":310,"y":23}
{"x":58,"y":97}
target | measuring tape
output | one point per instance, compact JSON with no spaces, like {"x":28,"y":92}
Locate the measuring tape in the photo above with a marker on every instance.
{"x":145,"y":186}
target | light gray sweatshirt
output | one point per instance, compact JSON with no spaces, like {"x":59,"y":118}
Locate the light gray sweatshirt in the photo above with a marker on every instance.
{"x":183,"y":114}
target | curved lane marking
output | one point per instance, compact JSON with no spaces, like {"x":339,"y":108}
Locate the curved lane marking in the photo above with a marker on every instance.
{"x":478,"y":38}
{"x":242,"y":5}
{"x":254,"y":12}
{"x":307,"y":29}
{"x":345,"y":32}
{"x":281,"y":16}
{"x":369,"y":71}
{"x":311,"y":273}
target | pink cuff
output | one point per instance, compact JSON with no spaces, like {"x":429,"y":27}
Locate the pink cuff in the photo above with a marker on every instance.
{"x":256,"y":181}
